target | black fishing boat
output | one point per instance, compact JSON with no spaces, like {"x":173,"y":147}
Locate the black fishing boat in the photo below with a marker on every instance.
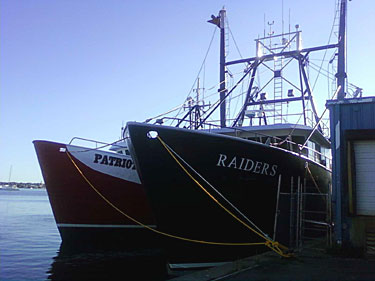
{"x":216,"y":190}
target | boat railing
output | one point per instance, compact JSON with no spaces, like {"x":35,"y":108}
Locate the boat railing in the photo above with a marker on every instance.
{"x":318,"y":156}
{"x":323,"y":124}
{"x":98,"y":144}
{"x":311,"y":153}
{"x":288,"y":118}
{"x":188,"y":124}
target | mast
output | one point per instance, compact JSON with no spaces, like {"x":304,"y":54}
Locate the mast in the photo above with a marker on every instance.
{"x":222,"y":89}
{"x":197,"y":108}
{"x":219,"y":21}
{"x":341,"y":68}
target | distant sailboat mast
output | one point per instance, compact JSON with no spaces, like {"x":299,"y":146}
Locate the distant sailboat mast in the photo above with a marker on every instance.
{"x":10,"y":173}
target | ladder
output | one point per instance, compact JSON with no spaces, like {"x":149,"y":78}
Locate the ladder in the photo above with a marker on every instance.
{"x":278,"y":90}
{"x":306,"y":221}
{"x":315,"y":222}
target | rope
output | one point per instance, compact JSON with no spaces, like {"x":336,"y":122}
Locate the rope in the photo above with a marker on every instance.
{"x":152,"y":229}
{"x":273,"y":245}
{"x":222,"y":196}
{"x":312,"y":177}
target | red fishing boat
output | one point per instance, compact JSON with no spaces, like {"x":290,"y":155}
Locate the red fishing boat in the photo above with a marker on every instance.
{"x":92,"y":191}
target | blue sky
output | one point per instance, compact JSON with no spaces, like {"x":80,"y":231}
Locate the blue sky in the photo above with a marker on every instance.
{"x":85,"y":67}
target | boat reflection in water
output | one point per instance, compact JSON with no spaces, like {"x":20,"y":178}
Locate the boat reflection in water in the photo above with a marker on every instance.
{"x":110,"y":263}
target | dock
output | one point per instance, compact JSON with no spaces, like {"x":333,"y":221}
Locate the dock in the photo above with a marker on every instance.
{"x":313,"y":262}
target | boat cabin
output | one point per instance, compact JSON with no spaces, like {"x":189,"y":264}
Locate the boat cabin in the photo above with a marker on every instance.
{"x":287,"y":136}
{"x":120,"y":147}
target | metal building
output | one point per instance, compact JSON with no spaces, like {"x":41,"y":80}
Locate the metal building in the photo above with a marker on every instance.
{"x":353,"y":173}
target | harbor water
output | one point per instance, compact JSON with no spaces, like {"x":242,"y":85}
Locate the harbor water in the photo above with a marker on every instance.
{"x":31,"y":249}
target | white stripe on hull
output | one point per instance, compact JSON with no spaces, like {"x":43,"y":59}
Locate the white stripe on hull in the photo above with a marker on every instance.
{"x":102,"y":225}
{"x":194,"y":265}
{"x":109,"y":167}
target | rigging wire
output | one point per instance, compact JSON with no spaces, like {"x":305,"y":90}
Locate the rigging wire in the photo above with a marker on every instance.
{"x":319,"y":70}
{"x":234,"y":40}
{"x":328,"y":75}
{"x":203,"y":63}
{"x":325,"y":52}
{"x":183,"y":104}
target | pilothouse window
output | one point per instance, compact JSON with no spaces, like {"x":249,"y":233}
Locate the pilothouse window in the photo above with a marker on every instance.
{"x":311,"y":150}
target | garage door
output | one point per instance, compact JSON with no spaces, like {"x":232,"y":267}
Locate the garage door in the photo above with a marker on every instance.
{"x":365,"y":176}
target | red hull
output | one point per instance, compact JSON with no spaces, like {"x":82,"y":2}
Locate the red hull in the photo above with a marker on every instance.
{"x":79,"y":211}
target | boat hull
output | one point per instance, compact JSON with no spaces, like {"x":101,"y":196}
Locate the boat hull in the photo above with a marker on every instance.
{"x":81,"y":214}
{"x":245,"y":172}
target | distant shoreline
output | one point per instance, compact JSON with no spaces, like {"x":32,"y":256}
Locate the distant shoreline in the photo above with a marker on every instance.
{"x":26,"y":185}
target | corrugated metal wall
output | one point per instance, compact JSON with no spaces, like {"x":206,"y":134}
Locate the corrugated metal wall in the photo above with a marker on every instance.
{"x":350,"y":120}
{"x":356,"y":115}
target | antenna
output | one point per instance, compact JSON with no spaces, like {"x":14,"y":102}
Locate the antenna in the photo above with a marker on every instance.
{"x":270,"y":25}
{"x":197,"y":91}
{"x":289,"y":27}
{"x":282,"y":17}
{"x":264,"y":25}
{"x":271,"y":32}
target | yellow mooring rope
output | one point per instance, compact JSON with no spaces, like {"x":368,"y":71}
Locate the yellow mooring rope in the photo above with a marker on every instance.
{"x":149,"y":228}
{"x":312,"y":177}
{"x":273,"y":245}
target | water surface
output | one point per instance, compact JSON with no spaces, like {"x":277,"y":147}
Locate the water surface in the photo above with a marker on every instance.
{"x":31,"y":249}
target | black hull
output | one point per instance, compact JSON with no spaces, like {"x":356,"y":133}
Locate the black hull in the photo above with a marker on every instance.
{"x":181,"y":207}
